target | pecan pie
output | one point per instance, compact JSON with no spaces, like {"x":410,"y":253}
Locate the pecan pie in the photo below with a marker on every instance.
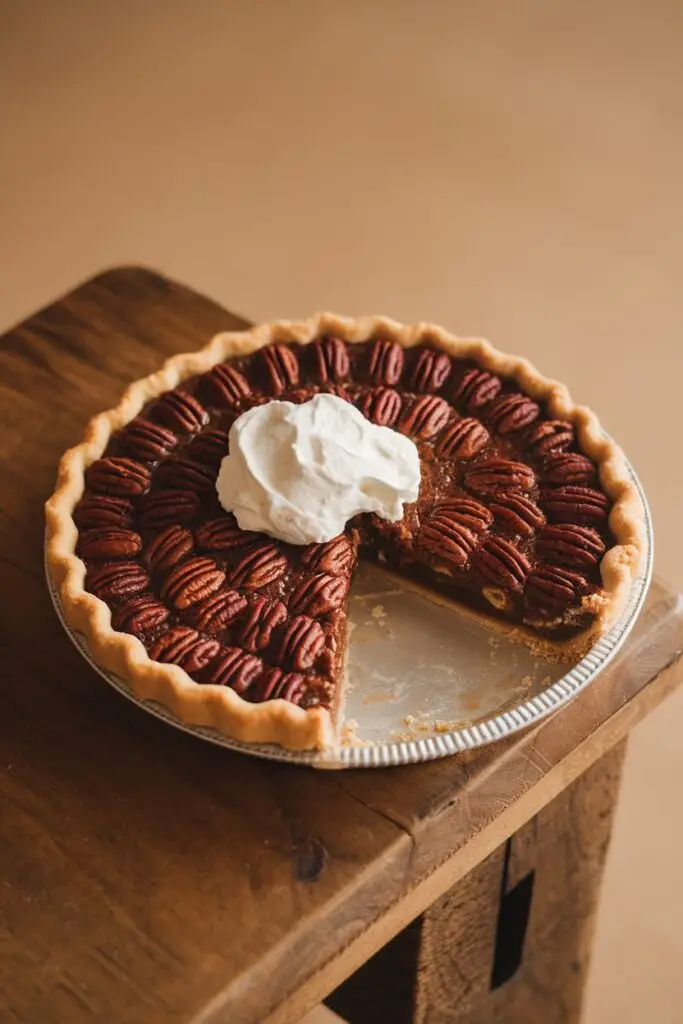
{"x":526,"y":517}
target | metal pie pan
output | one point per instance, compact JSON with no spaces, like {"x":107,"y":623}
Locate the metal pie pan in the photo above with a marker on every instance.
{"x":424,"y":681}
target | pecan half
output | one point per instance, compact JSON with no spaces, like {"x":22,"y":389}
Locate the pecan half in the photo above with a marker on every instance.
{"x":185,"y":647}
{"x":330,"y":359}
{"x":192,"y":581}
{"x":568,"y":544}
{"x":567,"y":468}
{"x":319,"y":595}
{"x":493,"y":475}
{"x":181,"y":411}
{"x":161,"y":508}
{"x":169,"y":547}
{"x":575,"y":504}
{"x":468,"y":512}
{"x":278,"y":685}
{"x":302,"y":643}
{"x":386,"y":362}
{"x":381,"y":405}
{"x":210,"y":448}
{"x":500,"y":564}
{"x":99,"y":510}
{"x":146,"y":441}
{"x":222,"y":534}
{"x":462,"y":439}
{"x":475,"y":388}
{"x":430,"y":371}
{"x":124,"y":478}
{"x":549,"y":591}
{"x":510,"y":413}
{"x":185,"y":475}
{"x":216,"y":612}
{"x":235,"y":669}
{"x":225,"y":386}
{"x":549,"y":436}
{"x":109,"y":542}
{"x":116,"y":581}
{"x":445,"y":538}
{"x":281,"y":366}
{"x":257,"y":627}
{"x":337,"y":557}
{"x":425,"y":417}
{"x":140,"y":615}
{"x":517,"y":515}
{"x":260,"y":565}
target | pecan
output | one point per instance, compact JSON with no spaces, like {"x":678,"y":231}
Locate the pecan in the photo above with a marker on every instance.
{"x":278,"y":685}
{"x":225,"y":386}
{"x":109,"y":542}
{"x":98,"y":510}
{"x":330,"y":359}
{"x":217,"y":611}
{"x":186,"y":475}
{"x":568,"y":544}
{"x":319,"y":595}
{"x":210,"y":448}
{"x":517,"y":515}
{"x":124,"y":478}
{"x":475,"y":388}
{"x":181,"y":411}
{"x":430,"y":371}
{"x":160,"y":508}
{"x":549,"y":436}
{"x":146,"y":441}
{"x":386,"y":362}
{"x":281,"y":366}
{"x":425,"y":417}
{"x":567,"y":468}
{"x":140,"y":615}
{"x":549,"y":591}
{"x":381,"y":405}
{"x":185,"y":647}
{"x":336,"y":389}
{"x":223,"y":533}
{"x":337,"y":557}
{"x":468,"y":513}
{"x":302,"y":642}
{"x":235,"y":669}
{"x":575,"y":504}
{"x":494,"y":475}
{"x":499,"y":563}
{"x":462,"y":439}
{"x":169,"y":547}
{"x":446,"y":539}
{"x":116,"y":580}
{"x":260,"y":565}
{"x":259,"y":622}
{"x":191,"y":581}
{"x":509,"y":413}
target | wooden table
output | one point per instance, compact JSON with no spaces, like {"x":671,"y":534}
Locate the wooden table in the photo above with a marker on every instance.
{"x":148,"y":877}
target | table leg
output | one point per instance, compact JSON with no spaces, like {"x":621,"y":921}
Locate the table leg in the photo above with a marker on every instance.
{"x":510,"y":943}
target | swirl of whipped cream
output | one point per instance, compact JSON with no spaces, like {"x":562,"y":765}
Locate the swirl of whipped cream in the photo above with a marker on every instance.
{"x":300,"y":472}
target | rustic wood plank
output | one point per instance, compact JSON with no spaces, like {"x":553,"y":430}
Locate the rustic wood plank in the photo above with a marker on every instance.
{"x":132,"y":850}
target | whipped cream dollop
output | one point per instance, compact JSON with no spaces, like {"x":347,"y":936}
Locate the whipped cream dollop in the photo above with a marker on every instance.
{"x":300,"y":472}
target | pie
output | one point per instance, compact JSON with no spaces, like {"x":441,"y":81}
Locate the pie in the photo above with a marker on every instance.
{"x":527,"y":518}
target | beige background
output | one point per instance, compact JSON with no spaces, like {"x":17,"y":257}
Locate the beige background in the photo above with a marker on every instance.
{"x":508,"y":169}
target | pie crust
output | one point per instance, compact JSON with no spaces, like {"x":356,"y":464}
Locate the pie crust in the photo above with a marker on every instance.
{"x":278,"y":721}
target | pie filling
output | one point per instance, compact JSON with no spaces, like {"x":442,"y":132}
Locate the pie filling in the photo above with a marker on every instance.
{"x":510,"y":521}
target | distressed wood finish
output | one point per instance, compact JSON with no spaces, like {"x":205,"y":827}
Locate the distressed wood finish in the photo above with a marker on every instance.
{"x":149,"y":876}
{"x":510,"y":943}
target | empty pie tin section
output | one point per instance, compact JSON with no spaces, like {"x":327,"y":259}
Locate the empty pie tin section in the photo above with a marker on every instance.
{"x":423,"y":680}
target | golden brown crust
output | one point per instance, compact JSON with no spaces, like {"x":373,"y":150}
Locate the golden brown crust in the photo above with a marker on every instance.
{"x":279,"y":721}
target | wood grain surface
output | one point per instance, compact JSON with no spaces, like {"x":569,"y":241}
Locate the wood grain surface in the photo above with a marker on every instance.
{"x":148,"y":876}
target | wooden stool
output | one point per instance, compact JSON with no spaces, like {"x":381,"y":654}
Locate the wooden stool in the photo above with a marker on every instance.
{"x":150,"y":877}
